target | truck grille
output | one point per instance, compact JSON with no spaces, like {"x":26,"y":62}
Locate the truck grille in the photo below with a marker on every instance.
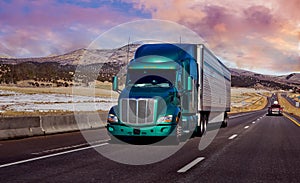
{"x":137,"y":111}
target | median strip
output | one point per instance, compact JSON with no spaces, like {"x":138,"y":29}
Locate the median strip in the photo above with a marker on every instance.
{"x":190,"y":165}
{"x":292,"y":119}
{"x":51,"y":155}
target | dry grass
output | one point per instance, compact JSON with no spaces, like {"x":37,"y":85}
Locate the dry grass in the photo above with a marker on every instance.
{"x":35,"y":113}
{"x":254,"y":99}
{"x":287,"y":107}
{"x":248,"y":99}
{"x":99,"y":90}
{"x":256,"y":102}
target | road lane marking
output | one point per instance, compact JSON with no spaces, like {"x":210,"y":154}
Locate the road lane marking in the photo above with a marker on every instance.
{"x":232,"y":136}
{"x":290,"y":118}
{"x":240,"y":115}
{"x":51,"y":155}
{"x":246,"y":127}
{"x":253,"y":122}
{"x":68,"y":147}
{"x":190,"y":165}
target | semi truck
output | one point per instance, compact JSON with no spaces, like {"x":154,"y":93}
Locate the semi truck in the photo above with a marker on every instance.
{"x":171,"y":90}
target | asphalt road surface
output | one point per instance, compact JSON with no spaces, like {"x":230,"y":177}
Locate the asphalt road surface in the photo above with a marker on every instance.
{"x":253,"y":148}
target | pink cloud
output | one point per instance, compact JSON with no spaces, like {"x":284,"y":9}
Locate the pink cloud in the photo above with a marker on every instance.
{"x":250,"y":34}
{"x":39,"y":28}
{"x":243,"y":32}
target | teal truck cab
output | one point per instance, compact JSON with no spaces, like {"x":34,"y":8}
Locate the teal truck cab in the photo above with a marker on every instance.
{"x":170,"y":90}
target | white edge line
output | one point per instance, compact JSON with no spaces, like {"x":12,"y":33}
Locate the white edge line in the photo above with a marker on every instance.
{"x":241,"y":115}
{"x":68,"y":147}
{"x":51,"y":155}
{"x":237,"y":116}
{"x":190,"y":165}
{"x":232,"y":136}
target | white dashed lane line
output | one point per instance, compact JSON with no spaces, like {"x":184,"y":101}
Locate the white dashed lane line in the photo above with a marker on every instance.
{"x":197,"y":160}
{"x":190,"y":165}
{"x":233,"y":136}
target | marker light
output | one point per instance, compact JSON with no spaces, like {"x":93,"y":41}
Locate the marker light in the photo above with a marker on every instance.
{"x":112,"y":118}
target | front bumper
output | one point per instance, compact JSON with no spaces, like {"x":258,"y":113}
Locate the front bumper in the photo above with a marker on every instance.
{"x":141,"y":131}
{"x":275,"y":113}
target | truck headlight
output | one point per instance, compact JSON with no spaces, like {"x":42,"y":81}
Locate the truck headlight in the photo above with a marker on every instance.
{"x":167,"y":119}
{"x":112,"y":118}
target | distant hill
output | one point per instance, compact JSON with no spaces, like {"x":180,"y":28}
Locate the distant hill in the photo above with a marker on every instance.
{"x":81,"y":56}
{"x":243,"y":78}
{"x":54,"y":69}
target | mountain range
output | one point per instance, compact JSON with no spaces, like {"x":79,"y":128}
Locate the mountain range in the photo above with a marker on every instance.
{"x":62,"y":67}
{"x":244,"y":78}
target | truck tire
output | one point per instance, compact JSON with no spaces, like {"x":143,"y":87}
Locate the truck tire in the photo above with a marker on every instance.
{"x":178,"y":132}
{"x":174,"y":139}
{"x":201,"y":130}
{"x":225,"y":122}
{"x":205,"y":122}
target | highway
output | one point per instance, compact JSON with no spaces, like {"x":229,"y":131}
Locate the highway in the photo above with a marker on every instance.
{"x":253,"y":148}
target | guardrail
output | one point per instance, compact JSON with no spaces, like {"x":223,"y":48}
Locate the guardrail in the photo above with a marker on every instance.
{"x":291,"y":101}
{"x":20,"y":127}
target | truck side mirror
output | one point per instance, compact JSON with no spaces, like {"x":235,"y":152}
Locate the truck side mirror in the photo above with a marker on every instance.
{"x":115,"y":84}
{"x":190,"y":84}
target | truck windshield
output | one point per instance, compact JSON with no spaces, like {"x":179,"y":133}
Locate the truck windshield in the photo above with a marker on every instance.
{"x":150,"y":78}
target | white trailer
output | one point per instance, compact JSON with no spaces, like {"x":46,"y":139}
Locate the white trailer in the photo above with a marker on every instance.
{"x":213,"y":87}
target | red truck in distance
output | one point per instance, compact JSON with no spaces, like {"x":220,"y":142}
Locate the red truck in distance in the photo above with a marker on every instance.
{"x":275,"y":109}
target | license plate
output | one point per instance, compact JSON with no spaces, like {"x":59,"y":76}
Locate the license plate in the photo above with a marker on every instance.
{"x":136,"y":131}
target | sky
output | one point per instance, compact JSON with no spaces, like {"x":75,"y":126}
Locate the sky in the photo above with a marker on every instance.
{"x":256,"y":35}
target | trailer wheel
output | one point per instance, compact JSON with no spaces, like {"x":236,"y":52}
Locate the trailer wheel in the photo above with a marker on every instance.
{"x":225,"y":122}
{"x":205,"y":121}
{"x":200,"y":131}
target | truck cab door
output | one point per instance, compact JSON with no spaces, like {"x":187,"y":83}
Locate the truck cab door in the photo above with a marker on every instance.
{"x":189,"y":97}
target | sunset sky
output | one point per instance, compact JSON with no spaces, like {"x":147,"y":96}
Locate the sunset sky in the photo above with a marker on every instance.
{"x":257,"y":35}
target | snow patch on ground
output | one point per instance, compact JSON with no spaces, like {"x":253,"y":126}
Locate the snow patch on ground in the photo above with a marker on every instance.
{"x":13,"y":101}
